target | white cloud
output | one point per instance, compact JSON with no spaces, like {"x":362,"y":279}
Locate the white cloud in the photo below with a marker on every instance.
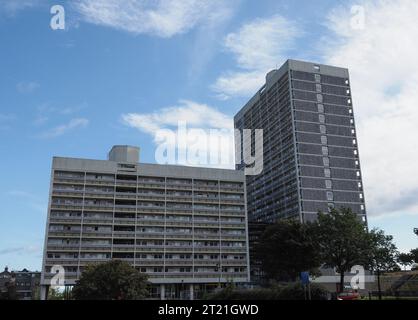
{"x":258,"y":47}
{"x":199,"y":119}
{"x":384,"y":77}
{"x":62,"y":129}
{"x":30,"y":249}
{"x":13,"y":6}
{"x":164,"y":18}
{"x":27,"y":87}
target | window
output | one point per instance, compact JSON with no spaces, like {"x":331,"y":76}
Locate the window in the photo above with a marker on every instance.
{"x":358,"y":173}
{"x":351,"y":121}
{"x":349,"y":101}
{"x":362,"y":207}
{"x":354,"y":141}
{"x":319,"y":98}
{"x":326,"y":161}
{"x":317,"y":68}
{"x":328,"y":184}
{"x":318,"y":88}
{"x":327,"y":173}
{"x":323,"y":129}
{"x":348,"y":91}
{"x":361,"y":196}
{"x":324,"y":140}
{"x":317,"y":77}
{"x":350,"y":111}
{"x":325,"y":151}
{"x":321,"y":108}
{"x":353,"y":131}
{"x":347,"y":82}
{"x":355,"y":152}
{"x":321,"y":118}
{"x":357,"y":163}
{"x":359,"y":185}
{"x":330,"y":196}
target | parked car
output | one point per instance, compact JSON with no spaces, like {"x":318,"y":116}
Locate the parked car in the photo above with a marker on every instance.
{"x":349,"y":295}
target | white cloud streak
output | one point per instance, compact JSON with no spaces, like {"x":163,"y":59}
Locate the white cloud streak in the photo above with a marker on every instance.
{"x":257,"y":47}
{"x":163,"y":18}
{"x":64,"y":128}
{"x":11,"y":7}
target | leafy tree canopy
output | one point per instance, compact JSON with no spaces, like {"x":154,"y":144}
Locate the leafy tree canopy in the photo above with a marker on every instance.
{"x":114,"y":280}
{"x":288,"y":248}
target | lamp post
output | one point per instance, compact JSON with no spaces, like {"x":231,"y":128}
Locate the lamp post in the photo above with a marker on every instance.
{"x":218,"y":269}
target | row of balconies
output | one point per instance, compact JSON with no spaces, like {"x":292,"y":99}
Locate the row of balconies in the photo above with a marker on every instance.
{"x":111,"y":182}
{"x":145,"y":196}
{"x":180,"y":275}
{"x":145,"y":210}
{"x":145,"y":262}
{"x":189,"y":208}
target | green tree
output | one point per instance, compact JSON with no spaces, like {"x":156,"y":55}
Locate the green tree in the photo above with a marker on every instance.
{"x":414,"y":253}
{"x":382,"y":254}
{"x":288,"y":248}
{"x":114,"y":280}
{"x":405,"y":259}
{"x":343,"y":240}
{"x":10,"y":292}
{"x":55,"y":294}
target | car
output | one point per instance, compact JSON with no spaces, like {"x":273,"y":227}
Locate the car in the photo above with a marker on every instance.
{"x":349,"y":295}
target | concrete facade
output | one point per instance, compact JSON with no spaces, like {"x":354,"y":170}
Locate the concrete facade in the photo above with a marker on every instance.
{"x":185,"y":227}
{"x":311,"y":158}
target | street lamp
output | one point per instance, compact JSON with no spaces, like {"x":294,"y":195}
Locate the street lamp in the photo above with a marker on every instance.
{"x":218,"y":269}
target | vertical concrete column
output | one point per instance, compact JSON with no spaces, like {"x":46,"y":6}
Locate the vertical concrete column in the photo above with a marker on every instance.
{"x":162,"y":292}
{"x":191,"y":291}
{"x":44,"y":292}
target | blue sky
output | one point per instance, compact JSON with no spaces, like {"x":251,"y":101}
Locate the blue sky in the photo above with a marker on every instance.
{"x":120,"y":66}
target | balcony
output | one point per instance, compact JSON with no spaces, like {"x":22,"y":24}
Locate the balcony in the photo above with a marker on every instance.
{"x":125,"y":195}
{"x":124,"y":234}
{"x":126,"y":183}
{"x":66,"y":220}
{"x":119,"y":221}
{"x":203,"y":187}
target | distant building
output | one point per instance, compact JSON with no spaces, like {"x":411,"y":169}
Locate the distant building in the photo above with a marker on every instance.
{"x":25,"y":284}
{"x":185,"y":227}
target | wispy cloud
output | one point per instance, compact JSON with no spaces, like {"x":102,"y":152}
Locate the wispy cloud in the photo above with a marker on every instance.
{"x":60,"y":130}
{"x":11,"y":7}
{"x":163,"y":18}
{"x":31,"y":249}
{"x":383,"y":66}
{"x":27,"y":87}
{"x":48,"y":112}
{"x":199,"y":118}
{"x":257,"y":47}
